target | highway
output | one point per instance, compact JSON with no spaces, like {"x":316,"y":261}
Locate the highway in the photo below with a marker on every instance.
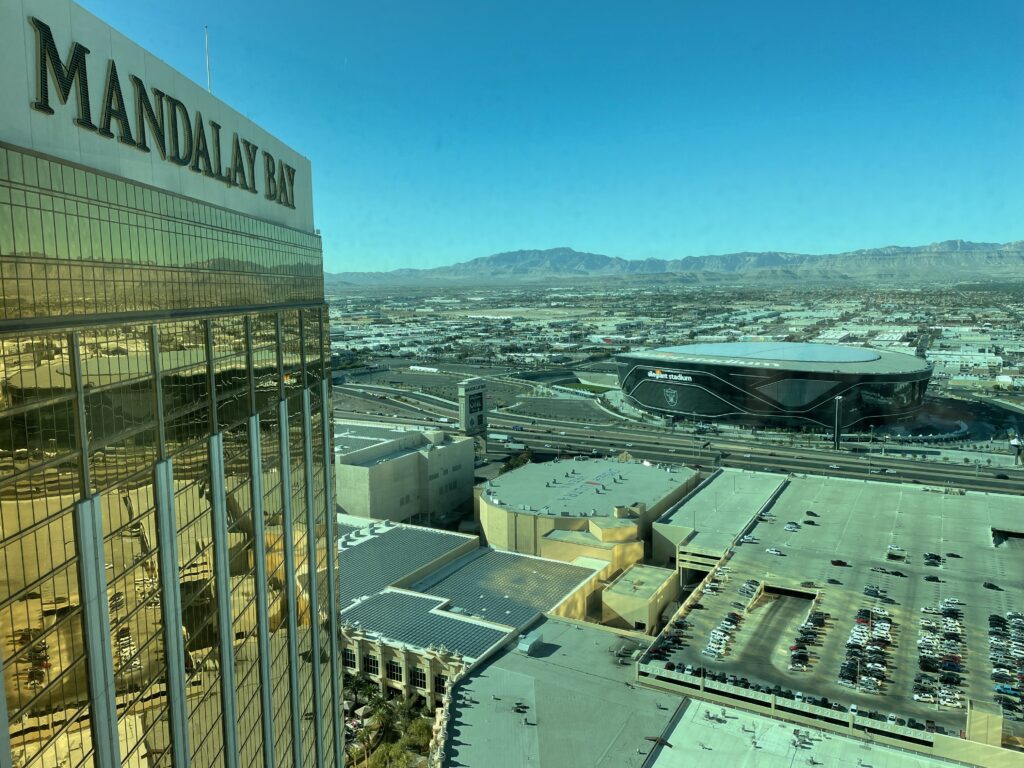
{"x":662,"y":444}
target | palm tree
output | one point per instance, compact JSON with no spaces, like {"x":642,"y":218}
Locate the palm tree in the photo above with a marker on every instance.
{"x":362,"y":686}
{"x":385,"y":715}
{"x":366,"y":740}
{"x":405,"y":712}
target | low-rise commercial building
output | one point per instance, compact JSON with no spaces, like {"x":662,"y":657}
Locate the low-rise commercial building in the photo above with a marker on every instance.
{"x":423,"y":477}
{"x":601,"y":508}
{"x":637,"y":597}
{"x":419,"y":607}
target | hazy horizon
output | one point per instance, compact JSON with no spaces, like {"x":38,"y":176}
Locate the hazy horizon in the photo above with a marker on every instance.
{"x":666,"y":258}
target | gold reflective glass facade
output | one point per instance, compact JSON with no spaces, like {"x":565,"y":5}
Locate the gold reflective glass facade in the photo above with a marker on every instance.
{"x":77,"y":242}
{"x":166,"y":540}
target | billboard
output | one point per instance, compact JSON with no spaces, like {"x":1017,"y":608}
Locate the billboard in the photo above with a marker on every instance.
{"x":472,"y":407}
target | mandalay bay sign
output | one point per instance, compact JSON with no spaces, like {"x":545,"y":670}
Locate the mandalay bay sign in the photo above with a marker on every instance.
{"x":150,"y":120}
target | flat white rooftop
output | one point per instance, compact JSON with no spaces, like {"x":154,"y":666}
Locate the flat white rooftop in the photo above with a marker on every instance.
{"x":584,"y":488}
{"x":709,"y":734}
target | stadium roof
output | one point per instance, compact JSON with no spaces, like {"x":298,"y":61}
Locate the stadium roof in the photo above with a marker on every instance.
{"x":415,"y":620}
{"x":583,"y":488}
{"x":505,"y":587}
{"x":783,"y":355}
{"x":102,"y":370}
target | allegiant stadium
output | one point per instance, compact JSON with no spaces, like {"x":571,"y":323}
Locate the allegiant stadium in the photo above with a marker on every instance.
{"x":785,"y":383}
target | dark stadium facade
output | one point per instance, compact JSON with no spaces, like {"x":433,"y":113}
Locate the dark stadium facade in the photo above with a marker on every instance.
{"x":783,"y":383}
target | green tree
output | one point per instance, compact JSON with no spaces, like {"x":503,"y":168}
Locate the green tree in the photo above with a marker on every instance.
{"x":365,"y":738}
{"x":362,"y":688}
{"x":406,"y":712}
{"x":384,"y":717}
{"x":390,"y":756}
{"x":418,"y":735}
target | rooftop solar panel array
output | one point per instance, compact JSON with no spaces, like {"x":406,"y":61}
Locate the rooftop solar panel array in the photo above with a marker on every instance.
{"x":405,"y":618}
{"x":343,"y":529}
{"x":371,"y":565}
{"x":507,"y":587}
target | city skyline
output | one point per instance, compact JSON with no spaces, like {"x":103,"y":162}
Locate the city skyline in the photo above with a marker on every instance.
{"x":684,"y":130}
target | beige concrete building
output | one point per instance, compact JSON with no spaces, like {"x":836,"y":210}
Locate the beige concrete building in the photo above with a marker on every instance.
{"x":423,"y":477}
{"x":637,"y":597}
{"x":420,"y":607}
{"x":599,"y":508}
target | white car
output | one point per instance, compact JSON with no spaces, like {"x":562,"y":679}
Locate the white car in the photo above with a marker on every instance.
{"x":834,"y":466}
{"x":927,"y":698}
{"x":773,"y":551}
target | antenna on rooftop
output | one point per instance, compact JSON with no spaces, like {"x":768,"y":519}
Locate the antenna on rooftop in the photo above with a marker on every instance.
{"x":206,"y":43}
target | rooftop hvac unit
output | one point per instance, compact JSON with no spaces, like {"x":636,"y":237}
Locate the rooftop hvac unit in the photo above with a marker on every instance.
{"x":530,"y":643}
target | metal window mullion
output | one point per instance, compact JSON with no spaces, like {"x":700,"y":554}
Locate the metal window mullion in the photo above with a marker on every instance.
{"x":5,"y":728}
{"x":170,"y":609}
{"x":311,"y":576}
{"x":337,"y":693}
{"x":222,"y":586}
{"x":250,"y":366}
{"x":81,"y":422}
{"x":99,"y":659}
{"x":287,"y":523}
{"x":211,"y":375}
{"x":158,"y":392}
{"x":259,"y":544}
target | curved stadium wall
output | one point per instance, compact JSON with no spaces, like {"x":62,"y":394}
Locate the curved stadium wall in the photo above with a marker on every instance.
{"x":790,"y":384}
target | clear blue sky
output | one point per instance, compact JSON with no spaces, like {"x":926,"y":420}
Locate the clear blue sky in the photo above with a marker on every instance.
{"x":441,"y":130}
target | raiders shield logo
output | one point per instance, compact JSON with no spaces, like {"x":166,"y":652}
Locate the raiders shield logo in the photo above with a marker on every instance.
{"x":671,"y":396}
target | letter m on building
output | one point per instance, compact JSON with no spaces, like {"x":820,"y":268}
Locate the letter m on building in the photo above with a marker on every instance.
{"x":65,"y":76}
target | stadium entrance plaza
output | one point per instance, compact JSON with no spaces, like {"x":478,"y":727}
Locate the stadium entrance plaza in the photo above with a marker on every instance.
{"x":856,"y":521}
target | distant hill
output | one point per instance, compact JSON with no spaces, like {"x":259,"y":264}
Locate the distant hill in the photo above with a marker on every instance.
{"x":949,"y":261}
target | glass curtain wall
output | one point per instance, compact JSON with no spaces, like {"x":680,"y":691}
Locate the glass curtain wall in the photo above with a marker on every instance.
{"x":164,"y":526}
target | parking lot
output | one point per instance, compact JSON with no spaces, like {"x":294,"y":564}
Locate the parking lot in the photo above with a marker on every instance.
{"x":562,"y":408}
{"x":866,"y":651}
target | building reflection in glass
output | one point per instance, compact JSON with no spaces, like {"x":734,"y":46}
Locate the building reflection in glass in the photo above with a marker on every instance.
{"x":152,"y":608}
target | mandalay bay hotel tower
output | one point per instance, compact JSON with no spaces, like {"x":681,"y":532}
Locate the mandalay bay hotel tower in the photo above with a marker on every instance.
{"x":166,"y":567}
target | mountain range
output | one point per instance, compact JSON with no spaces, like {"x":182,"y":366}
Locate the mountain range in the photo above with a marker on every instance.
{"x":954,"y":261}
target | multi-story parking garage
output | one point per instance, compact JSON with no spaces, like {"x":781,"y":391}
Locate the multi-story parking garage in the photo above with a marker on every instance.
{"x":797,"y":384}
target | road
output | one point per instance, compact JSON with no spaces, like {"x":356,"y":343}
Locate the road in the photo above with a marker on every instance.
{"x":558,"y":436}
